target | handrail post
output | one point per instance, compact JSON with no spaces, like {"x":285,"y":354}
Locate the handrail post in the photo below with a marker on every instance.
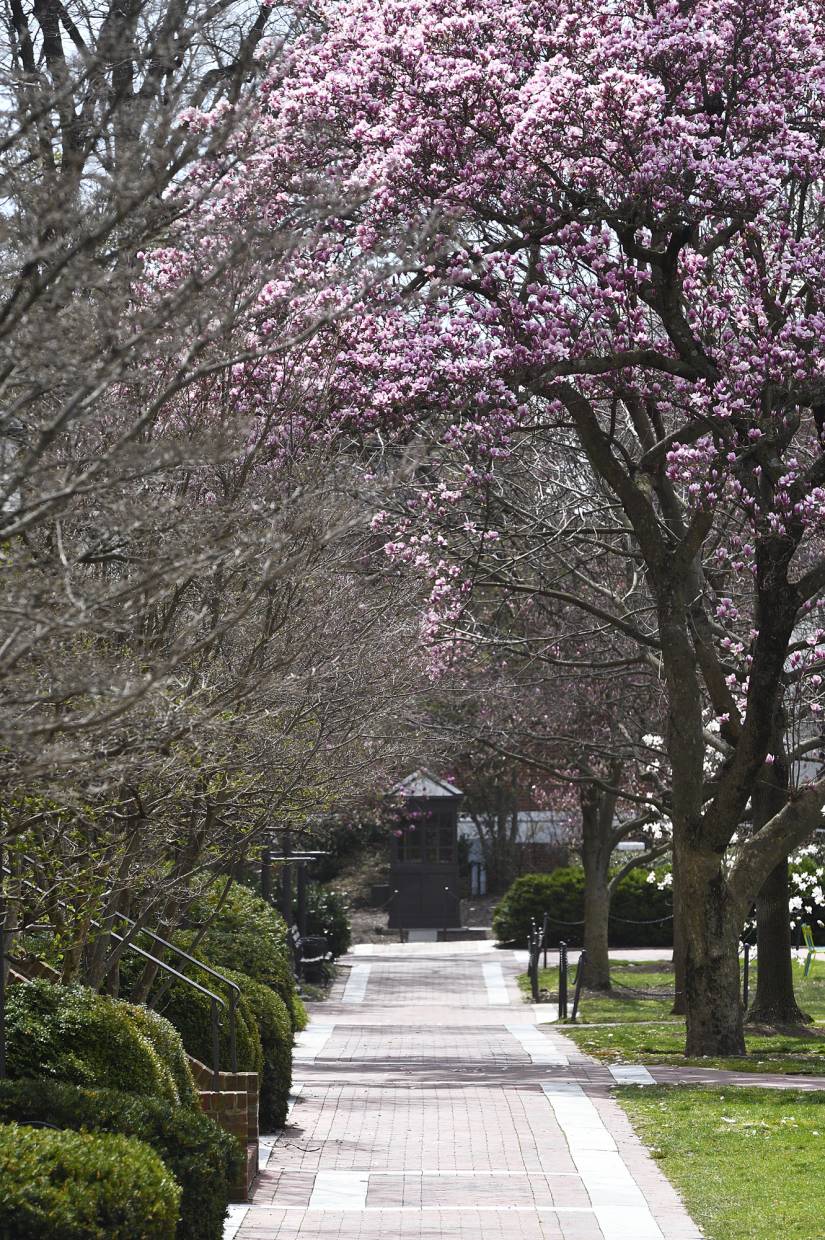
{"x":544,"y":929}
{"x":216,"y":1047}
{"x":233,"y":1036}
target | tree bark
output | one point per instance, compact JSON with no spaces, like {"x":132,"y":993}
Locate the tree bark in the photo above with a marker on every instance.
{"x":597,"y":808}
{"x":775,"y":1002}
{"x":679,"y":1002}
{"x":596,"y":968}
{"x":711,"y":922}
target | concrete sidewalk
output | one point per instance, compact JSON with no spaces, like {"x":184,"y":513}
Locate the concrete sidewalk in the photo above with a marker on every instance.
{"x":431,"y":1105}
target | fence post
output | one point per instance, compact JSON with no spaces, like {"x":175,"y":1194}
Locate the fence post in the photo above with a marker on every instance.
{"x":578,"y":988}
{"x":745,"y":979}
{"x":562,"y":981}
{"x":544,"y":938}
{"x":535,"y":948}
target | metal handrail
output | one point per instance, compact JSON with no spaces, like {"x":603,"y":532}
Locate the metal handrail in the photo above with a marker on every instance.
{"x":234,"y":988}
{"x":214,"y":999}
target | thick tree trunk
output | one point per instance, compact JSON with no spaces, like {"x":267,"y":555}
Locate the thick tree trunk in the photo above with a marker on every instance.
{"x":711,"y":925}
{"x":679,"y":948}
{"x":597,"y":810}
{"x":774,"y":1002}
{"x":596,"y":923}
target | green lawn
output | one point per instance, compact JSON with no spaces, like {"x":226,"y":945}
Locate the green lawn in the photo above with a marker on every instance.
{"x":628,"y":1027}
{"x":745,"y":1160}
{"x":631,"y":978}
{"x":663,"y":1042}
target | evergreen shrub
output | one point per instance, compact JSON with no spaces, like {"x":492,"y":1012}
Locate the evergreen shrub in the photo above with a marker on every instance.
{"x":203,"y":1158}
{"x":191,"y":1014}
{"x":70,"y":1033}
{"x":275,"y":1031}
{"x":328,"y":915}
{"x":561,"y":894}
{"x":60,"y":1185}
{"x":249,"y":935}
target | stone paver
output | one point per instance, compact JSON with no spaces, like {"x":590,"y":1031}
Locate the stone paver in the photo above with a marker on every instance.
{"x":432,"y":1107}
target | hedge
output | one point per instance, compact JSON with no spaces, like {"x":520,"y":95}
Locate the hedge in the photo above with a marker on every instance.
{"x":202,"y":1157}
{"x":561,"y":895}
{"x":191,"y":1014}
{"x":70,"y":1033}
{"x":169,"y":1047}
{"x":249,"y":935}
{"x":76,"y":1186}
{"x":275,"y":1030}
{"x":327,"y":915}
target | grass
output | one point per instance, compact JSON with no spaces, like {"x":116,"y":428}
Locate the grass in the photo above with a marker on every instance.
{"x":627,"y":1027}
{"x":664,"y":1042}
{"x":744,"y":1160}
{"x":620,"y":1005}
{"x":629,"y":976}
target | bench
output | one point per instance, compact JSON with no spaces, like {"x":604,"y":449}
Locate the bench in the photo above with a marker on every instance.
{"x":311,"y":955}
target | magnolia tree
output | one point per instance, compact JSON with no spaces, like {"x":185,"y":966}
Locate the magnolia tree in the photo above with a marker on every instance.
{"x":602,"y":223}
{"x":555,"y":719}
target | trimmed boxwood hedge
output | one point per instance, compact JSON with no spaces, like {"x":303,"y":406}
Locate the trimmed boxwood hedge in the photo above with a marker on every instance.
{"x":191,"y":1014}
{"x":202,"y":1157}
{"x":327,"y":915}
{"x":561,"y":895}
{"x":76,"y":1186}
{"x":169,"y":1047}
{"x":275,"y":1029}
{"x":72,"y":1034}
{"x":249,"y":935}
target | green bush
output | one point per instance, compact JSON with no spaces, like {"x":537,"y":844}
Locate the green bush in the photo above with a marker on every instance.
{"x":327,"y":914}
{"x":201,"y":1156}
{"x":69,"y":1033}
{"x":191,"y":1014}
{"x":561,"y":895}
{"x":75,"y":1186}
{"x":297,"y":1012}
{"x":275,"y":1030}
{"x":169,"y":1048}
{"x":249,"y":935}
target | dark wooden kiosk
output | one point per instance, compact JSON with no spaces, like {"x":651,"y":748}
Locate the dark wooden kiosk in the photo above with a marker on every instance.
{"x":424,"y":855}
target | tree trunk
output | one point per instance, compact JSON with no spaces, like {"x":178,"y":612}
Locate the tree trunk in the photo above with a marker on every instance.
{"x":711,"y":925}
{"x":679,"y":1003}
{"x":774,"y":1002}
{"x":597,"y":809}
{"x":596,"y":969}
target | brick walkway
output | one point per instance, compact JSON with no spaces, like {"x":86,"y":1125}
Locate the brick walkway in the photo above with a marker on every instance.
{"x":430,"y":1106}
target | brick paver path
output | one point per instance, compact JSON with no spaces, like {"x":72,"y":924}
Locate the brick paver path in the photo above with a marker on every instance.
{"x":431,"y":1106}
